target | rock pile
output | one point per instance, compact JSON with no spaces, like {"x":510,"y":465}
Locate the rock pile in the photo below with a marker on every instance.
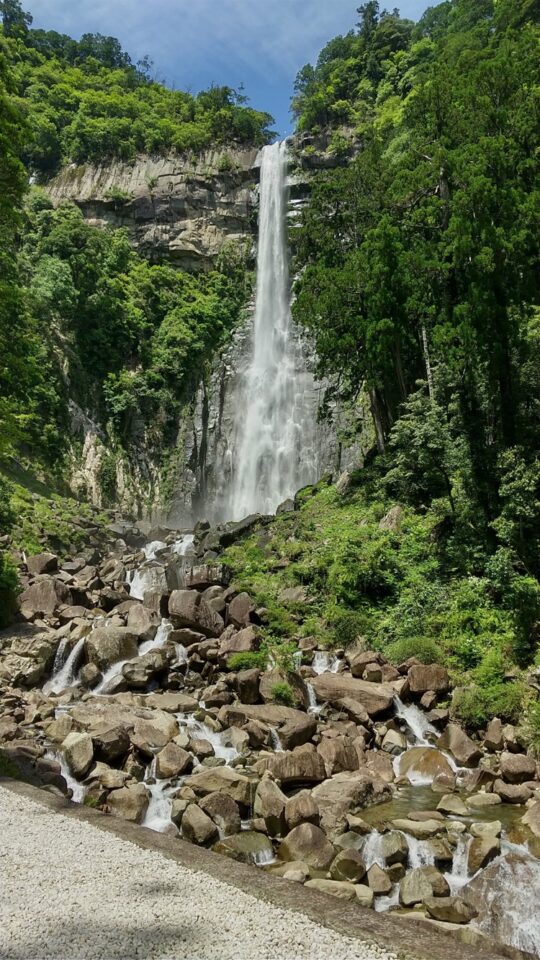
{"x":118,"y":683}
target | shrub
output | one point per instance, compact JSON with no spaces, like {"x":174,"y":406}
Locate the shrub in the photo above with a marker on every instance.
{"x":282,"y":693}
{"x":247,"y":661}
{"x":423,"y":648}
{"x":475,"y":706}
{"x":349,"y":628}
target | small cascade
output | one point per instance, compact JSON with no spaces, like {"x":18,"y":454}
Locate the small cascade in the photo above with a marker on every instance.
{"x":198,"y":730}
{"x":158,"y":814}
{"x":417,"y":723}
{"x":152,"y":548}
{"x":313,"y":706}
{"x":324,"y":662}
{"x":149,"y":576}
{"x":459,"y":875}
{"x":276,"y":743}
{"x":66,"y":675}
{"x":372,"y":850}
{"x":184,"y":544}
{"x":420,"y":852}
{"x":77,"y":789}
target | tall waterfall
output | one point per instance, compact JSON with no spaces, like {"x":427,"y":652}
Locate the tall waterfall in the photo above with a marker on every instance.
{"x":275,"y":449}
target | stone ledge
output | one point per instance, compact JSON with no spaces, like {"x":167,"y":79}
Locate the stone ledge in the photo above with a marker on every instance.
{"x":411,"y":939}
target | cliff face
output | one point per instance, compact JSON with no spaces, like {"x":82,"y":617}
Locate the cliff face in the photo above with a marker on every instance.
{"x":179,"y":209}
{"x":184,"y":211}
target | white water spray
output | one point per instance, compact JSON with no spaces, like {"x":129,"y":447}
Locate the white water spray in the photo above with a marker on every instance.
{"x":275,"y":445}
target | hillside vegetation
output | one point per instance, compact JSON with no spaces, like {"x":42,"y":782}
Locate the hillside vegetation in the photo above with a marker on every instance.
{"x":418,"y":282}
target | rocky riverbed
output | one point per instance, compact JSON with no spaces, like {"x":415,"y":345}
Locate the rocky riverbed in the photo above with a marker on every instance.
{"x":118,"y":689}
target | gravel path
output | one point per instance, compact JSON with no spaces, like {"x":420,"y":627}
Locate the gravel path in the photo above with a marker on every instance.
{"x":69,"y":890}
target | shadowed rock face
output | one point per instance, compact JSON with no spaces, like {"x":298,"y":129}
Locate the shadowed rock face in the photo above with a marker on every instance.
{"x":375,"y":697}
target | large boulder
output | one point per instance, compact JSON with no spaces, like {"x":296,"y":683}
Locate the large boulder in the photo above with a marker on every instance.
{"x":450,"y":909}
{"x":150,"y":734}
{"x":42,"y":563}
{"x":532,"y":818}
{"x":342,"y":889}
{"x":517,"y":767}
{"x":348,"y":865}
{"x":223,"y":810}
{"x":422,"y":764}
{"x":107,"y":645}
{"x":377,"y":698}
{"x":111,"y":740}
{"x":301,"y":808}
{"x":172,"y":761}
{"x":294,"y":727}
{"x":423,"y":677}
{"x":504,"y":895}
{"x":241,"y":641}
{"x":294,"y":768}
{"x":463,"y":749}
{"x":339,"y":754}
{"x":421,"y":883}
{"x":240,"y":610}
{"x":42,"y":598}
{"x":28,"y":658}
{"x":481,"y":851}
{"x":130,"y":803}
{"x":249,"y":846}
{"x":223,"y":780}
{"x":198,"y":827}
{"x":78,"y":750}
{"x":188,"y":608}
{"x":143,"y":621}
{"x":309,"y":844}
{"x":270,"y":804}
{"x":345,"y":793}
{"x":139,"y":672}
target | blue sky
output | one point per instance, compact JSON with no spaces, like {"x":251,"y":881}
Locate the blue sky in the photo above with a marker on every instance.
{"x":193,"y":43}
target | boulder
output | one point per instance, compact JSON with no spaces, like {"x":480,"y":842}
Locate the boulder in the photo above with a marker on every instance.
{"x":378,"y":880}
{"x":480,"y":801}
{"x":204,"y":576}
{"x":249,"y":846}
{"x":422,"y":764}
{"x":223,"y":780}
{"x":107,"y":645}
{"x":463,"y":749}
{"x":172,"y":702}
{"x":512,"y":792}
{"x":111,"y":741}
{"x":481,"y":851}
{"x":187,"y":608}
{"x":452,"y":805}
{"x":517,"y":767}
{"x":197,"y":827}
{"x":90,"y":675}
{"x":532,"y":818}
{"x":42,"y":598}
{"x":130,"y":803}
{"x":494,"y":740}
{"x":151,"y":735}
{"x":78,"y":750}
{"x":270,"y":804}
{"x":294,"y":727}
{"x":376,"y":698}
{"x":172,"y":761}
{"x":294,"y":768}
{"x":308,"y":843}
{"x":421,"y":883}
{"x":143,"y":621}
{"x":394,"y":743}
{"x":348,"y":865}
{"x":346,"y":793}
{"x":223,"y":810}
{"x":422,"y":830}
{"x":42,"y":563}
{"x":449,"y":909}
{"x":423,"y":677}
{"x":338,"y":754}
{"x":240,"y":609}
{"x":301,"y":808}
{"x":395,"y":848}
{"x":139,"y":672}
{"x":243,"y":641}
{"x":247,"y":685}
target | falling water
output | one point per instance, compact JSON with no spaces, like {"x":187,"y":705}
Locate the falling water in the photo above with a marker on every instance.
{"x":66,"y":674}
{"x":276,"y":430}
{"x":416,"y":721}
{"x":324,"y":662}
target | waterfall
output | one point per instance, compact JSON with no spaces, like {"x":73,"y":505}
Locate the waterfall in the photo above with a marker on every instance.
{"x":65,"y":673}
{"x":275,"y":420}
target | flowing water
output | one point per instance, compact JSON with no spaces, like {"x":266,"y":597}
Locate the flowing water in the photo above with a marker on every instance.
{"x":325,"y":662}
{"x":274,"y":450}
{"x":65,"y":673}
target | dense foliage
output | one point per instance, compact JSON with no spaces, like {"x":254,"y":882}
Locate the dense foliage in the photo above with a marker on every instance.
{"x":86,"y":101}
{"x":418,"y":266}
